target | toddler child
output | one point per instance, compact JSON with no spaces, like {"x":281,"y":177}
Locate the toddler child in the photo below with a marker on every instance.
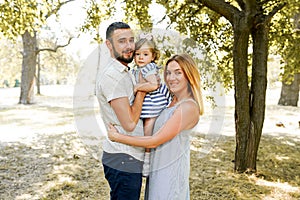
{"x":146,"y":54}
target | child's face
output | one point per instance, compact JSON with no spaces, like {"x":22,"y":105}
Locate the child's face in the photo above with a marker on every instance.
{"x":143,"y":56}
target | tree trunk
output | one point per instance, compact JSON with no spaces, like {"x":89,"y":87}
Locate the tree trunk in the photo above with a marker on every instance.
{"x":290,"y":92}
{"x":258,"y":91}
{"x":38,"y":76}
{"x":28,"y":68}
{"x":241,"y":89}
{"x":249,"y":104}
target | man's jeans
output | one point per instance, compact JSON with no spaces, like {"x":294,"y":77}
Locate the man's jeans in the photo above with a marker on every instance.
{"x":123,"y":173}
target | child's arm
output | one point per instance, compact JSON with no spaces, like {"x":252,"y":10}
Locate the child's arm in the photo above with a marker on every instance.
{"x":151,"y":84}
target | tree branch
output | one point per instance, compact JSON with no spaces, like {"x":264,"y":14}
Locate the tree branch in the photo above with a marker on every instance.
{"x":56,"y":48}
{"x":56,"y":9}
{"x":263,"y":2}
{"x":223,"y":8}
{"x":241,"y":4}
{"x":275,"y":10}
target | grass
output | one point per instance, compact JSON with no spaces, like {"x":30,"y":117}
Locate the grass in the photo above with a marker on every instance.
{"x":60,"y":168}
{"x":278,"y":164}
{"x":53,"y":163}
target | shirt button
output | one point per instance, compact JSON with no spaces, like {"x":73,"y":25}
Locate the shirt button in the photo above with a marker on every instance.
{"x":122,"y":162}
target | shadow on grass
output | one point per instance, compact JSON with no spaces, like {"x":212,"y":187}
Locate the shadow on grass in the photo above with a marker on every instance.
{"x":52,"y":167}
{"x":278,"y":176}
{"x":59,"y":167}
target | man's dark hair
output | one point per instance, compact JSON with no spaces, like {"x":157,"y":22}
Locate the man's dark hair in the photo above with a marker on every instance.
{"x":114,"y":26}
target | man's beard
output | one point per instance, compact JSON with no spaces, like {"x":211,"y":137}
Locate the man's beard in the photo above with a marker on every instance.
{"x":121,"y":58}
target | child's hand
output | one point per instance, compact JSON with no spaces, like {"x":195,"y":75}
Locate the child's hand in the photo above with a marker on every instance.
{"x":112,"y":132}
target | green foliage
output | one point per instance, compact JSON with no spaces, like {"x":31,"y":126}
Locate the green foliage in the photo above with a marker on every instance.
{"x":96,"y":14}
{"x":99,"y":11}
{"x":211,"y":32}
{"x":214,"y":34}
{"x":285,"y":37}
{"x":19,"y":16}
{"x":138,"y":9}
{"x":10,"y":62}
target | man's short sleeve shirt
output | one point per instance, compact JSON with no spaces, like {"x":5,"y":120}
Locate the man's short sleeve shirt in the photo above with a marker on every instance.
{"x":115,"y":81}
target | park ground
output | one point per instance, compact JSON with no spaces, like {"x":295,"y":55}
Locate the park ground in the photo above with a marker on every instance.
{"x":42,"y":156}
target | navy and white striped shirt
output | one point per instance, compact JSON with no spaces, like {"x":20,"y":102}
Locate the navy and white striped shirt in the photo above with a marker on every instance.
{"x":156,"y":100}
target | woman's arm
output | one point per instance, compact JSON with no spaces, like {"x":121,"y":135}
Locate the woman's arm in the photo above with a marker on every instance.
{"x":184,"y":117}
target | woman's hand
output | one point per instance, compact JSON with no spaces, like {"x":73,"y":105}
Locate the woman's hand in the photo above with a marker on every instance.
{"x":112,"y":132}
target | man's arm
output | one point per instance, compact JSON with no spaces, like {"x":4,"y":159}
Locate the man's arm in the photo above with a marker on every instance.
{"x":128,"y":115}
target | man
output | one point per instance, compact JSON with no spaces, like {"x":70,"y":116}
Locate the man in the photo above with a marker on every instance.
{"x":118,"y":105}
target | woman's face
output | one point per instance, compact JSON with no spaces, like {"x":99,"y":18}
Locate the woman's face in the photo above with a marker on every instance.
{"x":175,"y":78}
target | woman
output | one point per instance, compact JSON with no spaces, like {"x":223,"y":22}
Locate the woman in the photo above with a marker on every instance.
{"x":170,"y":155}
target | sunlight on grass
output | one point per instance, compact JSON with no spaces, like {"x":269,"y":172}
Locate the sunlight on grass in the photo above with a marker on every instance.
{"x":43,"y":157}
{"x":212,"y":177}
{"x":277,"y":185}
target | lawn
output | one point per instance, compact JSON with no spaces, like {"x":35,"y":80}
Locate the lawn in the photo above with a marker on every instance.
{"x":43,"y":157}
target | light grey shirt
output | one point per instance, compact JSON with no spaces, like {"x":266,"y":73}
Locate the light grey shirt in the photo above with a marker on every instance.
{"x":115,"y":81}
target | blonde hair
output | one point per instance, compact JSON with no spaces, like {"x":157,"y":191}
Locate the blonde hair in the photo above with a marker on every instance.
{"x":191,"y":72}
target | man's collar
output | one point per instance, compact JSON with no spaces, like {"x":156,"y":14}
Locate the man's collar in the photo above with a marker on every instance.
{"x":120,"y":66}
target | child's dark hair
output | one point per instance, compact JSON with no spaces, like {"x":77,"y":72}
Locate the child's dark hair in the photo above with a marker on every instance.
{"x":151,"y":43}
{"x":114,"y":26}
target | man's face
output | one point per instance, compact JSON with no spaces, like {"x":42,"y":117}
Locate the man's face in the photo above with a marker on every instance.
{"x":122,"y":45}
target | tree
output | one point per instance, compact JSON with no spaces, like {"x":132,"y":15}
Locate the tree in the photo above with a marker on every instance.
{"x":25,"y":18}
{"x":10,"y":62}
{"x":289,"y":95}
{"x":250,"y":23}
{"x":286,"y":42}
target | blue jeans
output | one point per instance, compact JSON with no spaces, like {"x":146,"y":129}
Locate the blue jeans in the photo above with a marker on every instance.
{"x":123,"y":173}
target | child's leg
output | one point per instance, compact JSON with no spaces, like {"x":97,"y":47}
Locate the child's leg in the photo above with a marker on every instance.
{"x":148,"y":128}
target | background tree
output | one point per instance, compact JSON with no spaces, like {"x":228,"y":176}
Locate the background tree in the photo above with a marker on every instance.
{"x":10,"y":62}
{"x":24,"y":18}
{"x":55,"y":67}
{"x":286,"y":43}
